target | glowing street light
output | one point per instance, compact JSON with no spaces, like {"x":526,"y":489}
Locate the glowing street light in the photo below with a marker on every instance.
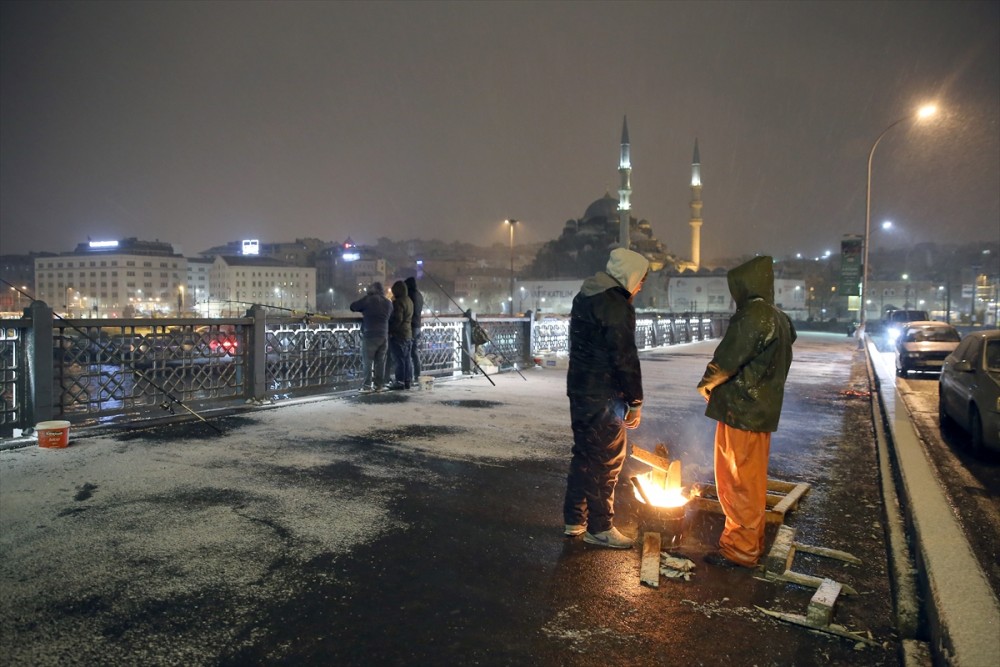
{"x":511,"y":223}
{"x":924,"y":112}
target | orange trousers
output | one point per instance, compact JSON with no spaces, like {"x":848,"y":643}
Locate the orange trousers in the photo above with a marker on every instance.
{"x":741,"y":480}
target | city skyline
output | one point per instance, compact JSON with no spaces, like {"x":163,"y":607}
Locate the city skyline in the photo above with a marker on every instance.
{"x":440,"y":120}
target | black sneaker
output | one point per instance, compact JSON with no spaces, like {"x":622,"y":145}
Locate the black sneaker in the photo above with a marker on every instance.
{"x":717,"y":559}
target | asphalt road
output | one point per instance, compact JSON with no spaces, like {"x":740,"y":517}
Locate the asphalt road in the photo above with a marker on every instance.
{"x":423,"y":528}
{"x":971,"y":482}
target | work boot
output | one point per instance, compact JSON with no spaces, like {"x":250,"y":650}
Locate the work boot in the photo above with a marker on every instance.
{"x":717,"y":559}
{"x":574,"y":529}
{"x":610,"y":538}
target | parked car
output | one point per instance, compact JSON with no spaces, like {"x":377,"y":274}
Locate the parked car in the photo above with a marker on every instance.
{"x":895,"y":319}
{"x":969,"y":389}
{"x":922,"y":346}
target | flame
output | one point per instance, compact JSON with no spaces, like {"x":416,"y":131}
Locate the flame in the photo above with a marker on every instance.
{"x":669,"y":493}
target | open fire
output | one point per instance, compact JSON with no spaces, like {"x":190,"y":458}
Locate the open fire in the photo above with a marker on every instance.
{"x":661,"y":489}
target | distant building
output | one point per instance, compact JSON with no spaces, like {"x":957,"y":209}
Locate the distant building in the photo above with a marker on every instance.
{"x":235,"y":283}
{"x":301,"y":252}
{"x":343,"y":271}
{"x":121,"y":278}
{"x":197,"y":284}
{"x":549,"y":297}
{"x":19,"y":272}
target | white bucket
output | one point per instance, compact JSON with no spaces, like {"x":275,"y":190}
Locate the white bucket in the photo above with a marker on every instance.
{"x":53,"y":434}
{"x":426,"y":382}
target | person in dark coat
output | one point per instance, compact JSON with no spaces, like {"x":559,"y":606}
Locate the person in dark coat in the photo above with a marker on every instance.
{"x":744,"y":385}
{"x":416,"y":324}
{"x":604,"y":385}
{"x":401,"y":335}
{"x":375,"y":310}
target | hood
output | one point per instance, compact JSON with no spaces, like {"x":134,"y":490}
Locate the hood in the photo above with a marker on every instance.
{"x":752,"y":280}
{"x":398,"y":289}
{"x":411,"y":284}
{"x":627,"y":267}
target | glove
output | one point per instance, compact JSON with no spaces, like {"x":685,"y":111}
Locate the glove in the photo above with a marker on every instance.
{"x":633,"y":416}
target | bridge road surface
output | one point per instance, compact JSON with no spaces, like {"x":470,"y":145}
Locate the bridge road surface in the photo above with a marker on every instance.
{"x":424,"y":528}
{"x":972,"y":482}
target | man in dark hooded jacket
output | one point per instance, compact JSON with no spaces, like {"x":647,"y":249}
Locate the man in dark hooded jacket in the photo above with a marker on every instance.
{"x":744,"y":385}
{"x":416,"y":323}
{"x":401,"y":335}
{"x":604,"y":385}
{"x":375,"y":310}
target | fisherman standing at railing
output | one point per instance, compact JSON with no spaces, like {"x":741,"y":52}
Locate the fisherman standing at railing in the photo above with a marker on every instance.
{"x":401,"y":335}
{"x":416,"y":323}
{"x":375,"y":310}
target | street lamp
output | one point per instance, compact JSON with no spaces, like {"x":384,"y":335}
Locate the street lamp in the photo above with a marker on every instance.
{"x":924,"y":112}
{"x":511,"y":223}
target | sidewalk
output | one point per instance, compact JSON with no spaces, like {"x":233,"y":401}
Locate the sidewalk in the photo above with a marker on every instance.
{"x":418,"y":528}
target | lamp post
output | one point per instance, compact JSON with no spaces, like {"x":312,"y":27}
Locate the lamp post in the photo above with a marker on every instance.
{"x":511,"y":223}
{"x":924,"y":112}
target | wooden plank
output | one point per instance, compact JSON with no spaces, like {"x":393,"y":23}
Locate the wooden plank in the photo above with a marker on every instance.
{"x":780,"y":486}
{"x":828,"y":553}
{"x":779,"y":558}
{"x":674,"y":475}
{"x":792,"y":499}
{"x":712,"y":491}
{"x":808,"y":581}
{"x":649,"y":573}
{"x":820,"y":609}
{"x":650,"y":459}
{"x":832,"y":628}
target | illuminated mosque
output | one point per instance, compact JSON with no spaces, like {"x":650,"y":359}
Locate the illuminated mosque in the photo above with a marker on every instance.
{"x":583,"y":246}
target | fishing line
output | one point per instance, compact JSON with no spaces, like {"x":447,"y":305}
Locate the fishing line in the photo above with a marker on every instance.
{"x":115,"y":358}
{"x":478,"y":333}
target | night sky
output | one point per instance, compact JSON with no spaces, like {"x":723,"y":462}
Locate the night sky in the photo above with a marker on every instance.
{"x":200,"y":123}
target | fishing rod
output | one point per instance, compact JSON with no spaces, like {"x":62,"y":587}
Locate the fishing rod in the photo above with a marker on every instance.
{"x":306,"y":315}
{"x":171,"y":399}
{"x":479,"y":335}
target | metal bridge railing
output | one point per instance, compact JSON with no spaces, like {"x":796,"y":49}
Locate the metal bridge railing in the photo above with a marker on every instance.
{"x":101,"y":370}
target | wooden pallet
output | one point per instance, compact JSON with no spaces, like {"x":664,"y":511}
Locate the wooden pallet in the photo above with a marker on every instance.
{"x":782,"y":497}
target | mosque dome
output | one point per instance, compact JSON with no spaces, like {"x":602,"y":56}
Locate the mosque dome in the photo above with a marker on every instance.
{"x":605,"y":208}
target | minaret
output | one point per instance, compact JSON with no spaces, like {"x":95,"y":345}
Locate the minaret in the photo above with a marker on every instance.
{"x":625,"y":191}
{"x":696,"y":208}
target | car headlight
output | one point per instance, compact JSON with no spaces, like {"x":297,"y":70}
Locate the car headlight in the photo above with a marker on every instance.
{"x":893,"y":335}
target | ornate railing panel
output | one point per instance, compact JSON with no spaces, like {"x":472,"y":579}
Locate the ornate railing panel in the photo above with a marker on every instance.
{"x":551,"y":334}
{"x":106,"y":367}
{"x":507,"y":346}
{"x":309,"y":356}
{"x":440,"y":346}
{"x":13,"y":373}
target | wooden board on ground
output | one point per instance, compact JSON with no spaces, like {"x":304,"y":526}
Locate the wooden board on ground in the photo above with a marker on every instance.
{"x":782,"y":498}
{"x":649,"y":573}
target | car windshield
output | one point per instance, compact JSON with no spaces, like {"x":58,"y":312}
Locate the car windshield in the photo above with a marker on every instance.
{"x":993,"y":356}
{"x":932,"y":335}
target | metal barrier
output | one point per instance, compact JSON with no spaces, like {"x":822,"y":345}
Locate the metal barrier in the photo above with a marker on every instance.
{"x":99,"y":370}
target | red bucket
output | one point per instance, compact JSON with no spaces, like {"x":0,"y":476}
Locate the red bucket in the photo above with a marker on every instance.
{"x":52,"y":434}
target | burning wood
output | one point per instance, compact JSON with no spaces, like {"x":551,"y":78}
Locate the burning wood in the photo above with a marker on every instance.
{"x":660,"y":487}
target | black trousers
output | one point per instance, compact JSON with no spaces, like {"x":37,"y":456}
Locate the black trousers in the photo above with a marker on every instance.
{"x":599,"y":449}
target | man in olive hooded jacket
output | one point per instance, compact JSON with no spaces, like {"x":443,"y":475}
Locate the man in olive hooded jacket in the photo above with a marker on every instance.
{"x":604,"y":385}
{"x":744,"y":385}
